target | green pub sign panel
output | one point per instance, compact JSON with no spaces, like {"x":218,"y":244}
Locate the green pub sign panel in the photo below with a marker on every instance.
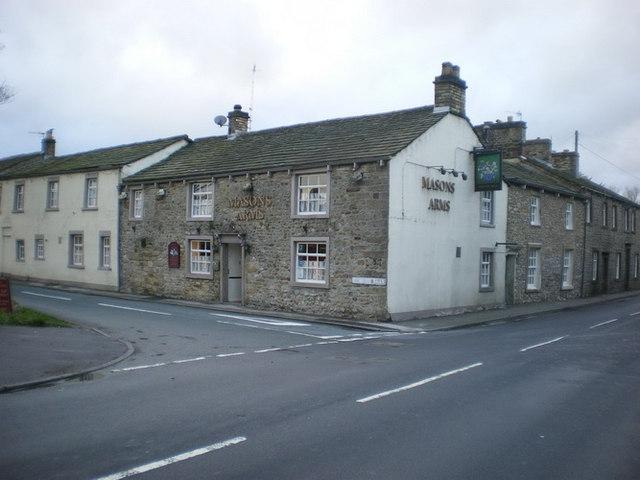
{"x":487,"y":170}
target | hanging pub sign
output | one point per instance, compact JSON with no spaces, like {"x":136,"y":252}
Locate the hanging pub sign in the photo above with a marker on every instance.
{"x":487,"y":170}
{"x":174,"y":255}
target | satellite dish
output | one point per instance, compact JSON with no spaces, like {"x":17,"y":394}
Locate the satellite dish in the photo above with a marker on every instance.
{"x":220,"y":120}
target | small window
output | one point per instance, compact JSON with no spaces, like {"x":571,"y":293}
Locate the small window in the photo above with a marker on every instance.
{"x":627,"y":224}
{"x":486,"y":208}
{"x":53,"y":187}
{"x":614,"y":216}
{"x":618,"y":265}
{"x":568,"y":216}
{"x":588,"y":212}
{"x":19,"y":250}
{"x":311,"y":266}
{"x":594,"y":266}
{"x":201,"y":200}
{"x":605,"y":210}
{"x":137,"y":203}
{"x":18,"y":198}
{"x":533,"y":269}
{"x":76,"y":253}
{"x":534,"y":211}
{"x":105,"y":252}
{"x":311,"y":195}
{"x":38,"y":250}
{"x":567,"y":269}
{"x":200,"y":258}
{"x":91,"y":192}
{"x":486,"y":270}
{"x":632,"y":217}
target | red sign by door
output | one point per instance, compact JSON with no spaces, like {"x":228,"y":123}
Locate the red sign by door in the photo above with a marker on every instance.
{"x":174,"y":255}
{"x":5,"y":296}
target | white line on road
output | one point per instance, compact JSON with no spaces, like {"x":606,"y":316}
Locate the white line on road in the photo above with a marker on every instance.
{"x":279,"y":323}
{"x":417,"y":384}
{"x":234,"y":354}
{"x":139,"y":367}
{"x":187,"y":360}
{"x":278,"y":330}
{"x":46,"y":296}
{"x":603,"y":323}
{"x":266,"y":350}
{"x":542,"y":344}
{"x":301,"y":345}
{"x":324,"y":337}
{"x":177,"y":458}
{"x":134,"y":309}
{"x":634,"y":314}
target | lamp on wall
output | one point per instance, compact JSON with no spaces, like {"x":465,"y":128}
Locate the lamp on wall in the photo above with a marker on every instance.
{"x":450,"y":171}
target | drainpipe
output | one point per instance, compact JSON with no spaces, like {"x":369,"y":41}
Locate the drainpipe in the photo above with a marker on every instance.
{"x":584,"y":247}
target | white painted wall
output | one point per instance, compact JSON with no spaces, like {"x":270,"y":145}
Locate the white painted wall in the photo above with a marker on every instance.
{"x":424,"y":274}
{"x":56,"y":225}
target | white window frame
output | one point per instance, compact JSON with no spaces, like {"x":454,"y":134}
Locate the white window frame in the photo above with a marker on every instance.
{"x":105,"y":253}
{"x":136,"y":211}
{"x":487,"y":208}
{"x":633,"y":220}
{"x":19,"y":190}
{"x":301,"y":193}
{"x":627,"y":223}
{"x":605,"y":214}
{"x":618,"y":265}
{"x":534,"y":210}
{"x":76,"y":249}
{"x":614,"y":217}
{"x":20,"y":250}
{"x":38,"y":248}
{"x":568,"y":216}
{"x":533,"y":276}
{"x":202,"y":200}
{"x":91,"y":192}
{"x":588,"y":212}
{"x":53,"y":194}
{"x":595,"y":260}
{"x":314,"y":268}
{"x":203,"y":263}
{"x":486,"y":270}
{"x":567,"y":269}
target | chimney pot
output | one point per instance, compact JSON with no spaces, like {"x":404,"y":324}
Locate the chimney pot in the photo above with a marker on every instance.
{"x":238,"y":121}
{"x":509,"y":118}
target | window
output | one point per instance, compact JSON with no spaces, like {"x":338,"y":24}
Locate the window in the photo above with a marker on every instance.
{"x":201,"y":200}
{"x":0,"y":196}
{"x":588,"y":212}
{"x":486,"y":208}
{"x":200,"y":257}
{"x":618,"y":265}
{"x":534,"y":211}
{"x":594,"y":266}
{"x":76,"y":250}
{"x":568,"y":216}
{"x":636,"y":266}
{"x":614,"y":216}
{"x":38,"y":250}
{"x":52,"y":194}
{"x":605,"y":208}
{"x":627,"y":224}
{"x":18,"y":198}
{"x":105,"y":252}
{"x":311,"y":265}
{"x":567,"y":269}
{"x":632,"y":217}
{"x":91,"y":192}
{"x":311,"y":194}
{"x":19,"y":250}
{"x":533,"y":269}
{"x":137,"y":203}
{"x":486,"y":270}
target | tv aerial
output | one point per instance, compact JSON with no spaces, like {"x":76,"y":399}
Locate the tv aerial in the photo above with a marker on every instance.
{"x":220,"y":120}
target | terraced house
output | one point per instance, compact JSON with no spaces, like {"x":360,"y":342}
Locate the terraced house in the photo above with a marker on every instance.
{"x":59,"y":214}
{"x":369,"y":217}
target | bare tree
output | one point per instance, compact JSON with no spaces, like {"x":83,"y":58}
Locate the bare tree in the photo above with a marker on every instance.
{"x":6,"y":92}
{"x":632,"y":193}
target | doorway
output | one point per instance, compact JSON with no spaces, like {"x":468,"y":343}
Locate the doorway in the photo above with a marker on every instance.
{"x":605,"y":272}
{"x":232,"y":268}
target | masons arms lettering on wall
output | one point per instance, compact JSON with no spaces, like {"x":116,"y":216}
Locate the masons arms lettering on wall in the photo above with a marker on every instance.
{"x":439,"y":186}
{"x":255,"y":204}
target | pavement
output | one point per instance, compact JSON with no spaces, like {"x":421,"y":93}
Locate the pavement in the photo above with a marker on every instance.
{"x":34,"y":356}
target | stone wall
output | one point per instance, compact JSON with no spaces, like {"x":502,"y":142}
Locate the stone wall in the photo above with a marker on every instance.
{"x":356,"y":227}
{"x":552,"y":238}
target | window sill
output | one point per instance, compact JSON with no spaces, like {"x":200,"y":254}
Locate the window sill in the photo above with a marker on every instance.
{"x":19,"y":261}
{"x":17,"y":211}
{"x":314,"y":215}
{"x":532,"y":290}
{"x":535,"y":224}
{"x":89,"y":209}
{"x":199,"y":219}
{"x":200,"y":276}
{"x":566,"y":287}
{"x":136,"y":219}
{"x":105,"y":269}
{"x":39,"y":259}
{"x":77,"y":267}
{"x":487,"y":289}
{"x":487,"y":225}
{"x":48,"y":209}
{"x":310,"y":285}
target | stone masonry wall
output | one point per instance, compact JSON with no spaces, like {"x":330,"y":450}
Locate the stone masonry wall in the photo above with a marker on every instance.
{"x":552,"y":238}
{"x":357,"y":229}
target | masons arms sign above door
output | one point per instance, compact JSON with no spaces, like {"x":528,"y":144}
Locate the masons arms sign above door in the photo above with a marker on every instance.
{"x":487,"y":170}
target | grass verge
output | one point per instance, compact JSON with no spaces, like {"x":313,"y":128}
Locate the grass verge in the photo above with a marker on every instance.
{"x":30,"y":318}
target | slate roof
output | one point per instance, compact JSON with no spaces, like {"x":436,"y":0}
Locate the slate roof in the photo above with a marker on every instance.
{"x":329,"y":142}
{"x":33,"y":165}
{"x":520,"y":174}
{"x":9,"y":162}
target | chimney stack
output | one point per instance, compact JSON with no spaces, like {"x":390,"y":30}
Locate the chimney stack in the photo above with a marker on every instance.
{"x":566,"y":161}
{"x":238,"y":121}
{"x":48,"y":145}
{"x":450,"y":89}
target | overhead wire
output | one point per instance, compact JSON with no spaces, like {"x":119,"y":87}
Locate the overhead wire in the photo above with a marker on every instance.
{"x":609,"y":162}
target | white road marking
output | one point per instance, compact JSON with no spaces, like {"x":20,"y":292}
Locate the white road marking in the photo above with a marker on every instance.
{"x":277,"y":330}
{"x":634,"y":314}
{"x":265,"y":350}
{"x":324,"y":337}
{"x":542,"y":344}
{"x":134,"y":309}
{"x":280,"y":323}
{"x":301,"y":346}
{"x":603,"y":323}
{"x":234,"y":354}
{"x":139,"y":367}
{"x":55,"y":297}
{"x":177,"y":458}
{"x":417,"y":384}
{"x":327,"y":343}
{"x":187,"y":360}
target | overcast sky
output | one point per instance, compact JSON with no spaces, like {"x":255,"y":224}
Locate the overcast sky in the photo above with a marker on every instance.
{"x":110,"y":72}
